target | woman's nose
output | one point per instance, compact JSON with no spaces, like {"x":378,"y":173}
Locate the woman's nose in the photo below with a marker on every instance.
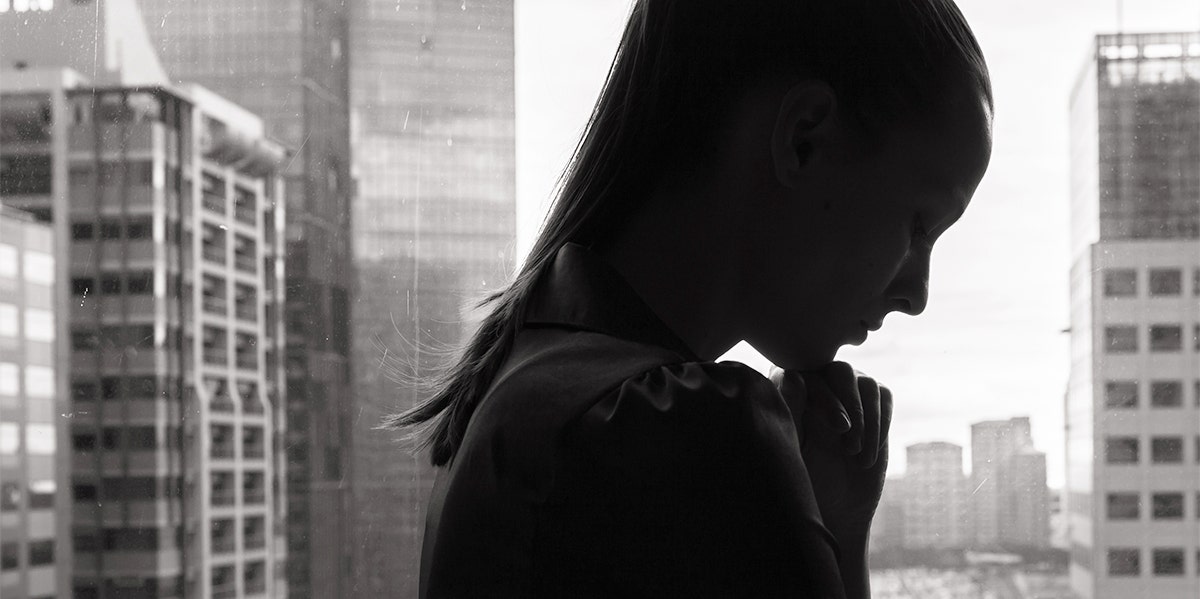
{"x":909,"y":292}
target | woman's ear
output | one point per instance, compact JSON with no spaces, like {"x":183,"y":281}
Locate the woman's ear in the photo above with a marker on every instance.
{"x":806,"y":114}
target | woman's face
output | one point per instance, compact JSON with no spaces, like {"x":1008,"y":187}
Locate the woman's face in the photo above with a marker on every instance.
{"x":849,"y":241}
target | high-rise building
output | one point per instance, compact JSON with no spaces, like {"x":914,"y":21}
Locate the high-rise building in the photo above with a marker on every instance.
{"x":1133,"y":403}
{"x":934,"y":504}
{"x":167,"y":202}
{"x":434,"y":225}
{"x":35,"y":547}
{"x":1009,"y":505}
{"x":287,"y":61}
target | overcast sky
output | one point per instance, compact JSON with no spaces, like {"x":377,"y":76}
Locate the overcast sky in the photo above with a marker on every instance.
{"x":990,"y":344}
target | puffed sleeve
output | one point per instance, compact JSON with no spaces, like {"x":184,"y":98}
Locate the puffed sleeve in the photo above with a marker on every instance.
{"x":687,"y":481}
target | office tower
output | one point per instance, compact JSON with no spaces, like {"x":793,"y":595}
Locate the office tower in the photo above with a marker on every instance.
{"x":166,"y":200}
{"x":433,"y":102}
{"x":934,"y":506}
{"x":287,"y":61}
{"x":1027,"y":501}
{"x":887,"y":528}
{"x":1133,"y":403}
{"x":1004,"y":483}
{"x":35,"y":549}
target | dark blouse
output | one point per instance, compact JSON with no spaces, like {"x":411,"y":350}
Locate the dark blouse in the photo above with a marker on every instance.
{"x":607,"y":460}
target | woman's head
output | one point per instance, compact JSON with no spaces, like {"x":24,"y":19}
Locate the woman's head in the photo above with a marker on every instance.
{"x":862,"y":81}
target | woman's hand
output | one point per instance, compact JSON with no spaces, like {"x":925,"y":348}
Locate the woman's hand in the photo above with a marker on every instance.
{"x":842,"y":418}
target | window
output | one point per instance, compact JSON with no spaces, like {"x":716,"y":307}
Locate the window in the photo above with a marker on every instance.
{"x":41,"y":494}
{"x":83,"y":441}
{"x":8,"y":261}
{"x":1121,"y":394}
{"x":39,"y":268}
{"x":139,"y":228}
{"x":82,"y":286}
{"x":1168,"y":562}
{"x":10,"y":379}
{"x":1124,"y":562}
{"x":85,"y":340}
{"x":110,"y":284}
{"x":1167,"y":506}
{"x":39,"y":325}
{"x":131,"y":539}
{"x":141,"y":437}
{"x":1166,"y":450}
{"x":1166,"y":281}
{"x":1124,"y":506}
{"x":1121,"y":450}
{"x":8,"y":320}
{"x":84,"y":491}
{"x":9,"y":558}
{"x":1165,"y":337}
{"x":10,"y":496}
{"x":140,"y":282}
{"x":110,"y":230}
{"x":83,"y":231}
{"x":39,"y":381}
{"x":10,"y":438}
{"x":39,"y":439}
{"x":83,"y":390}
{"x":1166,"y":394}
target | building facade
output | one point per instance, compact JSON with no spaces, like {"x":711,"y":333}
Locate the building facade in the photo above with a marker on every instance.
{"x":1010,"y":505}
{"x":935,"y":513}
{"x":35,"y":548}
{"x":287,"y":61}
{"x":167,"y":202}
{"x":1133,"y":403}
{"x":432,"y":88}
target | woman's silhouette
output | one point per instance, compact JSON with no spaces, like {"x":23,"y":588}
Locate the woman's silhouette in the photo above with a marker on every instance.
{"x":774,"y":171}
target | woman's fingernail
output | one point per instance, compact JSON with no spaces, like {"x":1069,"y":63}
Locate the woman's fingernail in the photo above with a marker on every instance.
{"x":843,"y":423}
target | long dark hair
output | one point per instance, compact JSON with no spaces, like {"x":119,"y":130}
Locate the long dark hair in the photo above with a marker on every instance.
{"x":678,"y":68}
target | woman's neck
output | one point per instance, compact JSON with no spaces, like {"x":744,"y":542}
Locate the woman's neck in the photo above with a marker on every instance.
{"x":681,"y":259}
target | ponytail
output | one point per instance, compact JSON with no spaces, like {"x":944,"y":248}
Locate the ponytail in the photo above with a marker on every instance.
{"x":679,"y":66}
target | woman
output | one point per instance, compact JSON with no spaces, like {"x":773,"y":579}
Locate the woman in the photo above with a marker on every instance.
{"x":774,"y":171}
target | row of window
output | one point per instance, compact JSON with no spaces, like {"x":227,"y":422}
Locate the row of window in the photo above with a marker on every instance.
{"x":39,"y":324}
{"x":39,"y":438}
{"x":129,"y":488}
{"x":134,"y":438}
{"x":1163,"y":450}
{"x":134,"y":228}
{"x":38,"y":268}
{"x":115,"y":387}
{"x":133,"y":282}
{"x":112,"y":336}
{"x":1124,"y":339}
{"x":1162,"y":282}
{"x":1163,"y":394}
{"x":1165,"y":561}
{"x":1163,"y":506}
{"x":41,"y":553}
{"x":39,"y":381}
{"x":40,"y":494}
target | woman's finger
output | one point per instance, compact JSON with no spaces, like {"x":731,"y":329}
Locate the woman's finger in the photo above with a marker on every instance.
{"x":885,"y":414}
{"x":869,"y":392}
{"x":823,"y":402}
{"x":843,"y":381}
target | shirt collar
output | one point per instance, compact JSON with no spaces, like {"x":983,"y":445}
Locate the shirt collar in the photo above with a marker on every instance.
{"x":580,"y":290}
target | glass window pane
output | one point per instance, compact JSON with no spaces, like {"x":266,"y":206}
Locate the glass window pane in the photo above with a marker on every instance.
{"x":1166,"y":394}
{"x":8,"y":320}
{"x":1120,"y":282}
{"x":1121,"y":394}
{"x":1166,"y":281}
{"x":1167,"y":506}
{"x":8,"y":261}
{"x":39,"y":325}
{"x":10,"y":379}
{"x":1124,"y":506}
{"x":1166,"y":450}
{"x":1165,"y":337}
{"x":1168,"y":562}
{"x":39,"y":439}
{"x":39,"y":381}
{"x":39,"y":268}
{"x":1121,"y":450}
{"x":1121,"y":339}
{"x":1124,"y":562}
